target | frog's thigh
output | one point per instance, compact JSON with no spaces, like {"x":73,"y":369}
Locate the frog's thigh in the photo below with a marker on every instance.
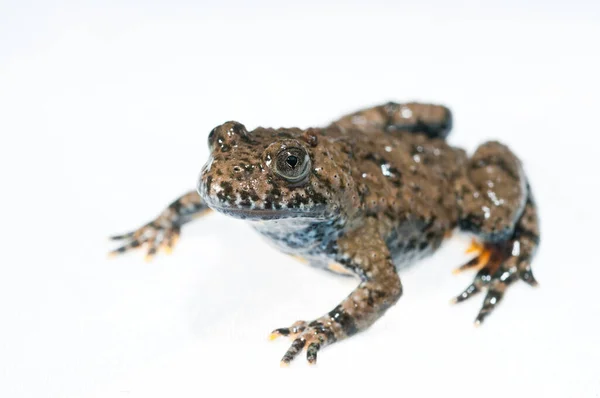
{"x":494,"y":193}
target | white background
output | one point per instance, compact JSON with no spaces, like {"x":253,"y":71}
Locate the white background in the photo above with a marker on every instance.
{"x":104,"y":113}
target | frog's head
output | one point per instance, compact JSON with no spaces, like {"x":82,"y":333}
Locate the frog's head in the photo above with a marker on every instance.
{"x":272,"y":174}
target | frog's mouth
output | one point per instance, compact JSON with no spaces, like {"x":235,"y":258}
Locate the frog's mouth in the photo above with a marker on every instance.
{"x":232,"y":204}
{"x":268,"y":214}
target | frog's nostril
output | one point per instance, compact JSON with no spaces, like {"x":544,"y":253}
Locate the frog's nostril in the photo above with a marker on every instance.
{"x":237,"y":169}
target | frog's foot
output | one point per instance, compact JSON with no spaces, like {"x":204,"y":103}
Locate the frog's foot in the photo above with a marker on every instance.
{"x":479,"y":261}
{"x":163,"y":232}
{"x":499,"y":266}
{"x":312,"y":336}
{"x":160,"y":234}
{"x":503,"y":262}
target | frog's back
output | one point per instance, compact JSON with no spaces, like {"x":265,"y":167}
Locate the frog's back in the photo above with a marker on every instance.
{"x":406,"y":181}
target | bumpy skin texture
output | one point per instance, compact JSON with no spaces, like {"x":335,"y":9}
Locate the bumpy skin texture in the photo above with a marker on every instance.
{"x":366,"y":195}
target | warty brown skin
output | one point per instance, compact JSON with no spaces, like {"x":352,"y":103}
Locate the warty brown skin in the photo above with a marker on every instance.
{"x":369,"y":193}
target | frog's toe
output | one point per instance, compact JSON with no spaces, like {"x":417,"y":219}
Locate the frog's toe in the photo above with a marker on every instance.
{"x":311,"y":337}
{"x":152,"y":236}
{"x":498,"y":271}
{"x":129,"y":246}
{"x":494,"y":294}
{"x":153,"y":246}
{"x":311,"y":352}
{"x":526,"y":275}
{"x":164,"y":240}
{"x":487,"y":262}
{"x":312,"y":348}
{"x":478,"y":262}
{"x":295,"y":349}
{"x":474,"y":288}
{"x":127,"y":235}
{"x":292,"y":331}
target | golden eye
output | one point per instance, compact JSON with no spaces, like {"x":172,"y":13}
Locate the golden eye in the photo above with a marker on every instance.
{"x":293,"y":164}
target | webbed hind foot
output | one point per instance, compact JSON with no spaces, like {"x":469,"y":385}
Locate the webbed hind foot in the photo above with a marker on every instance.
{"x":500,"y":264}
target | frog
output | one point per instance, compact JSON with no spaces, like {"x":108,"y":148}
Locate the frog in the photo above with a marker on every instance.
{"x":372,"y":192}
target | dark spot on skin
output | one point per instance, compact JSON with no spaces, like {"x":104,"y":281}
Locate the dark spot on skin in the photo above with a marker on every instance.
{"x":317,"y":198}
{"x":346,"y":322}
{"x":245,"y":203}
{"x":226,"y":194}
{"x":373,"y":158}
{"x":239,"y":129}
{"x":208,"y":183}
{"x":300,"y":199}
{"x":471,"y":223}
{"x":284,"y":135}
{"x":244,"y":195}
{"x":254,"y":196}
{"x":175,"y":206}
{"x":521,"y":233}
{"x":283,"y":332}
{"x":310,"y":136}
{"x":322,"y":329}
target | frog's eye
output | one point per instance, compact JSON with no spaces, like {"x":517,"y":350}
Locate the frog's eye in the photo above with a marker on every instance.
{"x":293,"y":164}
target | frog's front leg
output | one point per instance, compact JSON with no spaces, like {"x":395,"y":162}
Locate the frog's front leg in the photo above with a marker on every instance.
{"x":497,"y":205}
{"x":163,"y":232}
{"x":433,"y":120}
{"x":364,"y":253}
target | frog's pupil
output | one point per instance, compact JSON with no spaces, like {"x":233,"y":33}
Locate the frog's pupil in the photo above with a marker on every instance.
{"x":292,"y":161}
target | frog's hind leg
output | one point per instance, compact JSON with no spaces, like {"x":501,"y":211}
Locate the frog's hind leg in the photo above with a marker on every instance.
{"x":491,"y":200}
{"x":433,"y":120}
{"x":504,"y":263}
